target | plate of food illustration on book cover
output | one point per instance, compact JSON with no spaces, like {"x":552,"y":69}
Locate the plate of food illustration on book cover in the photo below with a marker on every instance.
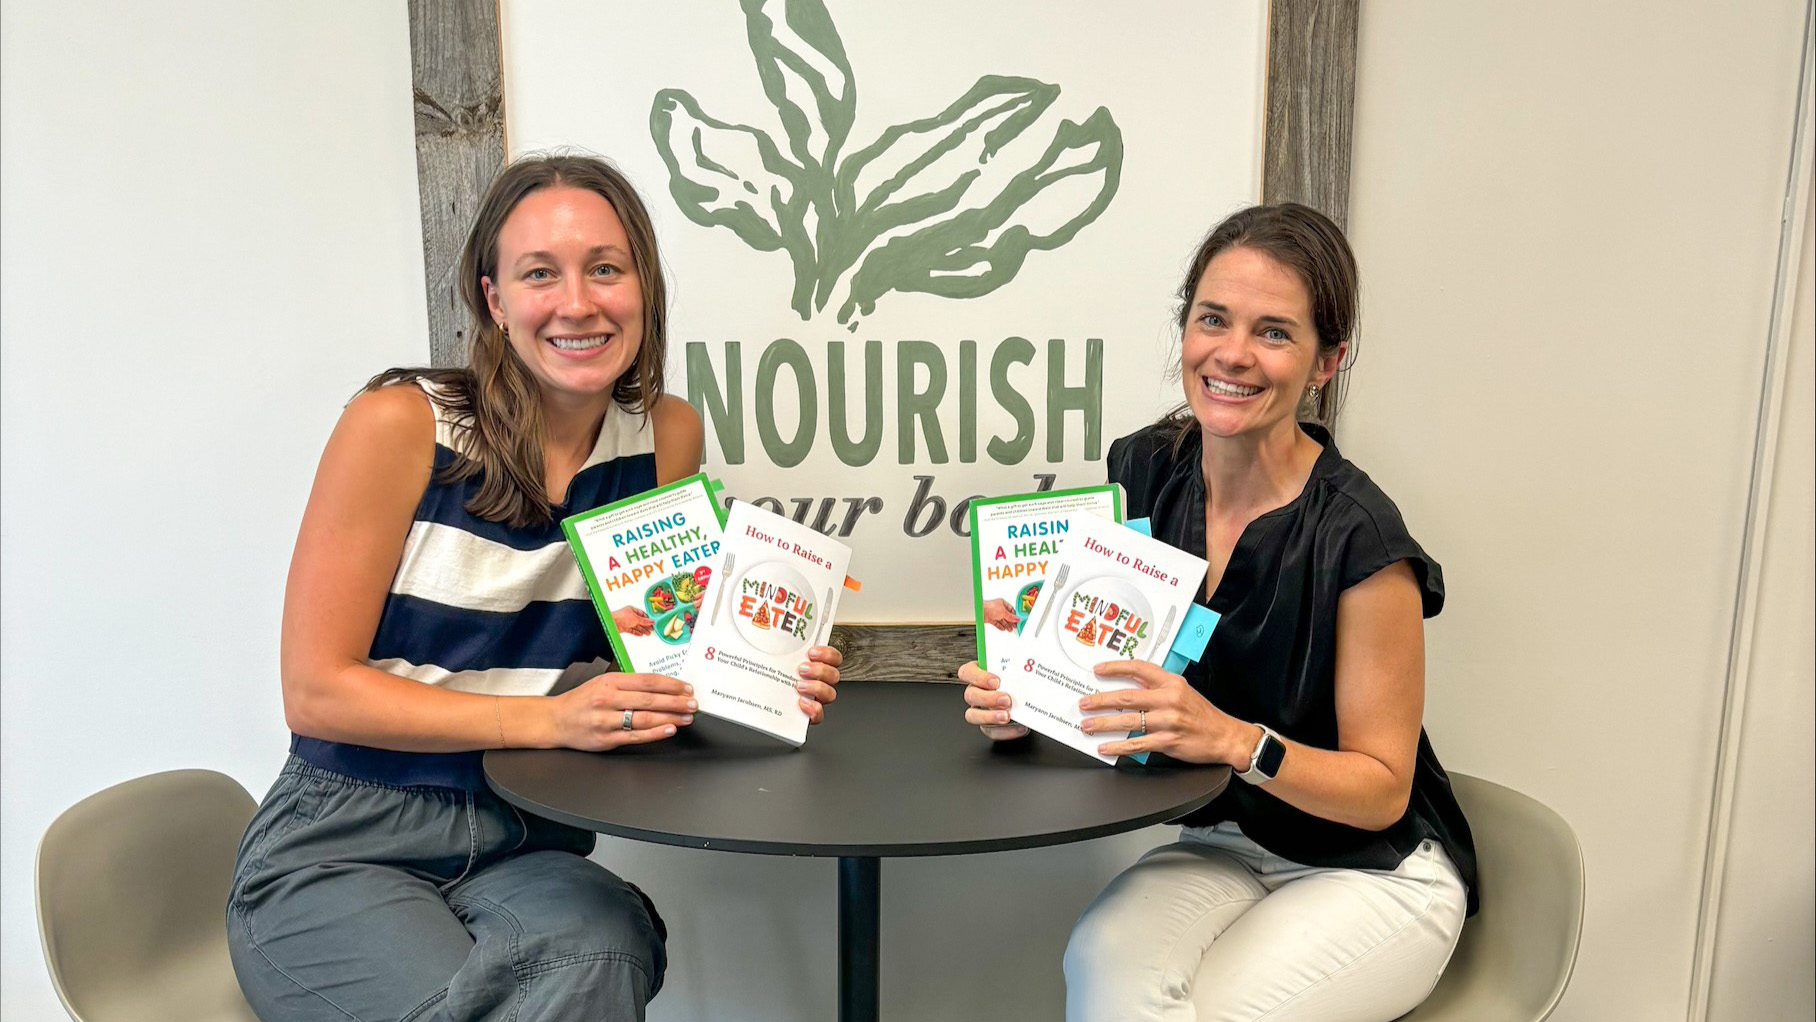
{"x":774,"y":609}
{"x":1024,"y":603}
{"x":674,"y":604}
{"x":1103,"y":619}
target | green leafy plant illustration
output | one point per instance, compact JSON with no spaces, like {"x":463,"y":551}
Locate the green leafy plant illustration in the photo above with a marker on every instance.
{"x":912,"y":211}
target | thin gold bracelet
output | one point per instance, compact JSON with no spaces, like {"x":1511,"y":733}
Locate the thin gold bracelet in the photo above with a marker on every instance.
{"x":498,"y":718}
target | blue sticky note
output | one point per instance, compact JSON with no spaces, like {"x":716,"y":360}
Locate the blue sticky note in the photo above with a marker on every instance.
{"x":1141,"y":525}
{"x":1194,"y":632}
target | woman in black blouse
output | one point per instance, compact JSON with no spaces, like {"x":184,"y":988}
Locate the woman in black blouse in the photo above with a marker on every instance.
{"x":1331,"y":880}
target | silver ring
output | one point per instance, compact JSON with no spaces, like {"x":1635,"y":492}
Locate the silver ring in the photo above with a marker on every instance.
{"x":627,"y":720}
{"x":1144,"y":721}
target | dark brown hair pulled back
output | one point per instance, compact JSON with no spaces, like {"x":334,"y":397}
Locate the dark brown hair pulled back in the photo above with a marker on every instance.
{"x":1306,"y":241}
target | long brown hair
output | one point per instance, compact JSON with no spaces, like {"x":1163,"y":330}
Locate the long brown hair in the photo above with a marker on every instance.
{"x":494,"y":398}
{"x":1307,"y":242}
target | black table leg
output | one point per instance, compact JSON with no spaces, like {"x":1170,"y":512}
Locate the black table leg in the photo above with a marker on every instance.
{"x":860,"y":889}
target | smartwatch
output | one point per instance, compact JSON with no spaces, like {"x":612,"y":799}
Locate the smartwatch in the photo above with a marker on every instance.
{"x":1265,"y":761}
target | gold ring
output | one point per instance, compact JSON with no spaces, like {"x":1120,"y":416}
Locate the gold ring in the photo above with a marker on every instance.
{"x":1144,"y":722}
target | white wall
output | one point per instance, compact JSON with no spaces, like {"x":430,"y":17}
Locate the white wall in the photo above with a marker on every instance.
{"x":1567,"y":221}
{"x":210,"y":241}
{"x":1766,"y":939}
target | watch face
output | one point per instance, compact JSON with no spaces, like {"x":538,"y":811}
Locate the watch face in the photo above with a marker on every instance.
{"x":1273,"y":752}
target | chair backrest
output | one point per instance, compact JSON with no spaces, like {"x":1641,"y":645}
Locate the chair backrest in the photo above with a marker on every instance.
{"x":132,"y":896}
{"x":1516,"y":954}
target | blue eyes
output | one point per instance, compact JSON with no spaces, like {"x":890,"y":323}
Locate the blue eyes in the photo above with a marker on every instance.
{"x":542,"y":274}
{"x":1212,"y":320}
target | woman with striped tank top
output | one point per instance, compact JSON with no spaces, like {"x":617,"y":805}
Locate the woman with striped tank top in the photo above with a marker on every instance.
{"x":433,"y":611}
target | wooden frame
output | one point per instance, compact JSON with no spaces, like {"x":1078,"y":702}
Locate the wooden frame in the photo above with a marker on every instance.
{"x":458,"y":91}
{"x":459,"y":97}
{"x":1311,"y":101}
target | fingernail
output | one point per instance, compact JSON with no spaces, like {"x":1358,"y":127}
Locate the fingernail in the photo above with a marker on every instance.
{"x":1001,"y":718}
{"x":1004,"y":701}
{"x":689,"y":719}
{"x":1086,"y":726}
{"x":668,"y":729}
{"x":692,"y":705}
{"x":802,"y":670}
{"x":800,"y":686}
{"x":688,"y":689}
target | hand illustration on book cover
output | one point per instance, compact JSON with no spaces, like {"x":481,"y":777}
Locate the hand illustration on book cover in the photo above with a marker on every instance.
{"x":999,"y":616}
{"x":632,"y":621}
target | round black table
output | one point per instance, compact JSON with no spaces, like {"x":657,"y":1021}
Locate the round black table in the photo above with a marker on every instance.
{"x":894,"y":771}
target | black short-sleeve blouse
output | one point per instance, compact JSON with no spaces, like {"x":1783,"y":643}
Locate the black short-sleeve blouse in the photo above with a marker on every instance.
{"x":1272,"y":658}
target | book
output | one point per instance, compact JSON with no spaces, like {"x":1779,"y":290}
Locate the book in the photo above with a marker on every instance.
{"x":1114,"y":594}
{"x":1015,"y":540}
{"x":777,"y":594}
{"x":648,"y":561}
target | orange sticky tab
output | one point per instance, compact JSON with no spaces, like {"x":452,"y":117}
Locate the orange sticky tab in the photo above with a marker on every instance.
{"x":853,"y":584}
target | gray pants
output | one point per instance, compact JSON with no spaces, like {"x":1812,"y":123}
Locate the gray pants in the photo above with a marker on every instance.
{"x":357,"y":901}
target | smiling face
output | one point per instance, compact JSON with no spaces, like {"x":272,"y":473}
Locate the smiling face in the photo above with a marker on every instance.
{"x":1249,"y":348}
{"x":566,"y":290}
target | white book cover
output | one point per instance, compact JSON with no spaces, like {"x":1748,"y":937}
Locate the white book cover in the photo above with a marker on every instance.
{"x":1015,"y":542}
{"x":648,"y":562}
{"x":1114,"y":594}
{"x":776,"y":594}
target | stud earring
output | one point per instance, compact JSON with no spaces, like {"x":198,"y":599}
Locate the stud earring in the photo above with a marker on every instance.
{"x":1312,"y":393}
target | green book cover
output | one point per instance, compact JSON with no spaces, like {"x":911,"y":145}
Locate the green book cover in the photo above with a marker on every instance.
{"x":648,"y":562}
{"x":1015,"y":539}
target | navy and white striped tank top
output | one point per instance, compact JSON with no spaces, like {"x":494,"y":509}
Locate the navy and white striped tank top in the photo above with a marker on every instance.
{"x":479,"y":606}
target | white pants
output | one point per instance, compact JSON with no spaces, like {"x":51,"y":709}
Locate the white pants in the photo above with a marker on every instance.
{"x":1216,"y":929}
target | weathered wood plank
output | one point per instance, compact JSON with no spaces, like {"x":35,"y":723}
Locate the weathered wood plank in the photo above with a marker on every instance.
{"x":904,"y":652}
{"x":459,"y":97}
{"x":1311,"y":100}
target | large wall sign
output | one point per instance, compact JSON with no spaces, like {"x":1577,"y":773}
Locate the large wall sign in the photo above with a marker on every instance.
{"x":919,"y":252}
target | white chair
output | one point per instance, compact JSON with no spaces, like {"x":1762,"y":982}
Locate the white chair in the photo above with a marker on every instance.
{"x":1516,"y":955}
{"x":132,"y":900}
